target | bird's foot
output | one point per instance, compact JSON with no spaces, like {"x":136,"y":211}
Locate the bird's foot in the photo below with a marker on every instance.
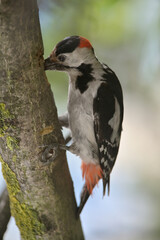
{"x":49,"y":153}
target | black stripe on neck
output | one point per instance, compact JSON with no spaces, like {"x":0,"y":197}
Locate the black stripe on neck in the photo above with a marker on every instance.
{"x":86,"y":77}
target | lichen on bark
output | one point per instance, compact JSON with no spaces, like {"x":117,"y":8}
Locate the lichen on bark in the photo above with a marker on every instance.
{"x":5,"y":117}
{"x":25,"y":216}
{"x":6,"y":120}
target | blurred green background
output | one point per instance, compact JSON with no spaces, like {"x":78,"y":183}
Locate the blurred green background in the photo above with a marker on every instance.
{"x":126,"y":35}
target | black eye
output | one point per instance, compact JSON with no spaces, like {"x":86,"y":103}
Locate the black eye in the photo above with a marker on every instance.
{"x":62,"y":58}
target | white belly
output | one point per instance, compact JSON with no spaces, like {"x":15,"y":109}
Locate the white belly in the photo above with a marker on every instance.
{"x":80,"y":114}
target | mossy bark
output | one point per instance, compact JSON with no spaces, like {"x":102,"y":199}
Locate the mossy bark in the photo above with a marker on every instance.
{"x":42,"y":198}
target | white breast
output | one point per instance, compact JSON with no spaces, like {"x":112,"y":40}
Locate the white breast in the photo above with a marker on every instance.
{"x":81,"y":121}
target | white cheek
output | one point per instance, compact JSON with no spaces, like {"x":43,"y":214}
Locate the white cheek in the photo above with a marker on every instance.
{"x":78,"y":56}
{"x":73,"y":59}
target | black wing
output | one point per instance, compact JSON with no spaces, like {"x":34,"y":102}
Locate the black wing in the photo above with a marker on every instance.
{"x":108,"y":116}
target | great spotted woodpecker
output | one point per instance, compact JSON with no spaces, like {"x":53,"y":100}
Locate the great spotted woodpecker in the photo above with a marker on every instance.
{"x":95,"y":110}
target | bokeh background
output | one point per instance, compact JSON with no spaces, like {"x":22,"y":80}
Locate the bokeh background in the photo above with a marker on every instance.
{"x":126,"y":35}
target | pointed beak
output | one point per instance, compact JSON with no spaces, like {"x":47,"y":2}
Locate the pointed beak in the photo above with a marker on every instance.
{"x":50,"y":63}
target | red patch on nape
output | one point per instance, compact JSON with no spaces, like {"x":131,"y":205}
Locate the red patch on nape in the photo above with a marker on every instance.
{"x":92,"y":173}
{"x":84,"y":43}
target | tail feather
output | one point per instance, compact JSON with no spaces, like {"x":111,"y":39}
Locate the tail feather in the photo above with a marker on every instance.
{"x":92,"y":174}
{"x":106,"y":181}
{"x":84,"y":197}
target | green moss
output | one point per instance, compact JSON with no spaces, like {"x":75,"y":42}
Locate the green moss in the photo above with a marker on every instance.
{"x":14,"y":158}
{"x":11,"y":143}
{"x":26,"y":218}
{"x":8,"y":74}
{"x":6,"y":120}
{"x":4,"y":116}
{"x":10,"y":177}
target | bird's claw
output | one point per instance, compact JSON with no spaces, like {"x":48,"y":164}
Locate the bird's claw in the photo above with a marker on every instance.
{"x":50,"y":152}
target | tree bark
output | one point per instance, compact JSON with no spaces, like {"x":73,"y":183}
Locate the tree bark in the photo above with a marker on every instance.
{"x":41,"y":197}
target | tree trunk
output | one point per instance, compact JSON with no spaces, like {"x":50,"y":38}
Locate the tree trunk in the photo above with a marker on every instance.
{"x":41,"y":197}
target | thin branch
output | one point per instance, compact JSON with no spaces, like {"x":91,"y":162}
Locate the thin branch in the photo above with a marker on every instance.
{"x":5,"y":213}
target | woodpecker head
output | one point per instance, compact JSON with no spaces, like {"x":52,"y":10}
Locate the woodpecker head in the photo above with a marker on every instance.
{"x":69,"y":54}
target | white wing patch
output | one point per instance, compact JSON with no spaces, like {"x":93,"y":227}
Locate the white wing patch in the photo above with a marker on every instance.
{"x":101,"y":148}
{"x":102,"y":160}
{"x":115,"y":121}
